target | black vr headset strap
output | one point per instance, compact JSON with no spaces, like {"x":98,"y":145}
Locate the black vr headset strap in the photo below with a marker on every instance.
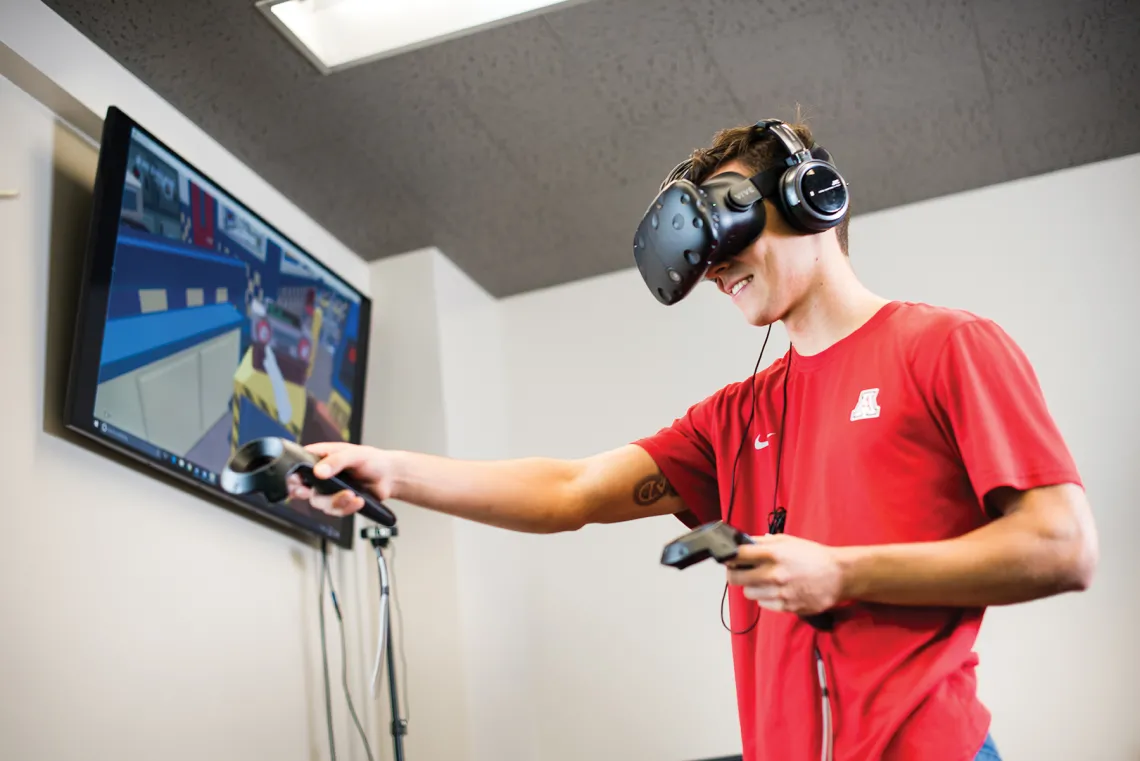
{"x":767,"y":182}
{"x":679,"y":172}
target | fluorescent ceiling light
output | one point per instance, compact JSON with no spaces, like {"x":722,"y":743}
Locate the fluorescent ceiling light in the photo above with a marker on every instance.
{"x":335,"y":34}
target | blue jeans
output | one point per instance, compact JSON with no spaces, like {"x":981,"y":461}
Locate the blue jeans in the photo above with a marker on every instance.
{"x":988,"y":751}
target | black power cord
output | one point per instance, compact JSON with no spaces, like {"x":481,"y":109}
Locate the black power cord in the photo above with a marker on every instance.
{"x":343,"y":657}
{"x":325,"y":653}
{"x":777,"y":515}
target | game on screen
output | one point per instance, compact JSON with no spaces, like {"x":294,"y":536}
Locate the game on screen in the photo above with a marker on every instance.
{"x":217,"y":331}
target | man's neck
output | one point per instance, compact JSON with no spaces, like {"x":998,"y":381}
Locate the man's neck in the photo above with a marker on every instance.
{"x":835,"y":309}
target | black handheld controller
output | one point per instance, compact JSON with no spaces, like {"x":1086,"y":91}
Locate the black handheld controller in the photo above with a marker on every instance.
{"x":264,"y":465}
{"x":720,"y":541}
{"x":716,"y":540}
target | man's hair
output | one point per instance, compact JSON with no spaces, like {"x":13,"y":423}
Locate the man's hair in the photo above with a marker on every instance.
{"x":757,"y":150}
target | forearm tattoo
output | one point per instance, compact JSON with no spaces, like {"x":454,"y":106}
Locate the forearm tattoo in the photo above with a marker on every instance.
{"x":652,"y":489}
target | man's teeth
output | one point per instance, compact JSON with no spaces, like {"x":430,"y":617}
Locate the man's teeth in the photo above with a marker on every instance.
{"x":736,"y":288}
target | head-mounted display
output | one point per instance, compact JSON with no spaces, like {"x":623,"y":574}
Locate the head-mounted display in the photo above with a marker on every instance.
{"x":689,"y":228}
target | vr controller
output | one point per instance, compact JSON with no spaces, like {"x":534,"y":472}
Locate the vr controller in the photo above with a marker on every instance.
{"x":720,"y":541}
{"x":716,"y":540}
{"x":264,"y":466}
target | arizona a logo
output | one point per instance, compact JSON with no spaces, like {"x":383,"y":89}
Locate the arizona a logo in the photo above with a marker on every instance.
{"x":867,"y":406}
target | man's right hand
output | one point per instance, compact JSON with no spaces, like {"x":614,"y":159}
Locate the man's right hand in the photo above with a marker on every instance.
{"x":368,"y":466}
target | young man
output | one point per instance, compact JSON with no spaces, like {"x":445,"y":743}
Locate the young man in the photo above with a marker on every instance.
{"x":897,"y":469}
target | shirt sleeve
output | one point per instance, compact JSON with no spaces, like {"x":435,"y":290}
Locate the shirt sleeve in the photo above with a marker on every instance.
{"x":686,"y":456}
{"x":991,"y":402}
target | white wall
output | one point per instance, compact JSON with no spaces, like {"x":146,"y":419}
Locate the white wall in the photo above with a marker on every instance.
{"x":494,"y":600}
{"x":406,"y":409}
{"x":137,"y":618}
{"x":633,"y":658}
{"x":437,"y":385}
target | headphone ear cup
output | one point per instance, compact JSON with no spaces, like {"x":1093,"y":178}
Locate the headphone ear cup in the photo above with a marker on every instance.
{"x":813,"y":196}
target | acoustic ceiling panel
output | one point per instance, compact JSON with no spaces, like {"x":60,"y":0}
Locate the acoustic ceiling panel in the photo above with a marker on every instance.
{"x":528,"y":151}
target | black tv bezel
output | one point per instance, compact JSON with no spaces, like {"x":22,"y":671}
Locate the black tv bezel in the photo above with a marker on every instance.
{"x":94,"y":290}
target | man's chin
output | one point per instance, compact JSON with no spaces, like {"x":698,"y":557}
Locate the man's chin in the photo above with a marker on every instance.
{"x":756,"y":317}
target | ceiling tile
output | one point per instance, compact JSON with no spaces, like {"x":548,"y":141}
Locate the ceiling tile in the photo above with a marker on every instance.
{"x":422,"y":135}
{"x":640,"y":157}
{"x":521,"y":88}
{"x":1124,"y":72}
{"x":366,"y":206}
{"x":1038,"y":137}
{"x":891,"y":158}
{"x":742,"y":18}
{"x":880,"y":33}
{"x":1027,"y":43}
{"x":529,"y":151}
{"x":909,"y":89}
{"x":916,"y":78}
{"x":495,"y":62}
{"x":783,"y":67}
{"x":645,"y":58}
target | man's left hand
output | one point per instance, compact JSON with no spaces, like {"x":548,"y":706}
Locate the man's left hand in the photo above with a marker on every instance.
{"x":788,"y":574}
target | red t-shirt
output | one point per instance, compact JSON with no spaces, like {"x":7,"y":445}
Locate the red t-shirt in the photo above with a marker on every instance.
{"x":894,"y":434}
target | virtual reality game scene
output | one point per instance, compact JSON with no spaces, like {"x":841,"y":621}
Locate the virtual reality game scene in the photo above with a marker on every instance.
{"x":217,"y":331}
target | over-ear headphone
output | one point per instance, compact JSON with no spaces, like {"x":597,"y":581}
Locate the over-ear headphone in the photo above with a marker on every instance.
{"x":689,"y":228}
{"x":811,"y":194}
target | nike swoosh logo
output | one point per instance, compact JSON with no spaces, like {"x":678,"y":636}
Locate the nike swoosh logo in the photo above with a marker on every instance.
{"x":761,"y":443}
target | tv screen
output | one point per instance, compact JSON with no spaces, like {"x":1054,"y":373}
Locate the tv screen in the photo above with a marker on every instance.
{"x":201,"y":326}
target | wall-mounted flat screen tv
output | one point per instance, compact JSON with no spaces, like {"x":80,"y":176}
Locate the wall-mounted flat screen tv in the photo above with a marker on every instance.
{"x":202,"y":326}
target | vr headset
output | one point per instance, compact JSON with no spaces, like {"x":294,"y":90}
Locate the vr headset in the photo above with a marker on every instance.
{"x":689,"y":228}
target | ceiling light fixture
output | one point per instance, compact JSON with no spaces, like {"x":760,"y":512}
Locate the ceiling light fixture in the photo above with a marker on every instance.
{"x":336,"y":34}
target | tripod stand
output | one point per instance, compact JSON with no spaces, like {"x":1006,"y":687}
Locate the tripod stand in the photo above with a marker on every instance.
{"x":379,"y":536}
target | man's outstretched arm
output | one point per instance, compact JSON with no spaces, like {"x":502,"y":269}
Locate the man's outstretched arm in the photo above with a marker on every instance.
{"x":536,"y":495}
